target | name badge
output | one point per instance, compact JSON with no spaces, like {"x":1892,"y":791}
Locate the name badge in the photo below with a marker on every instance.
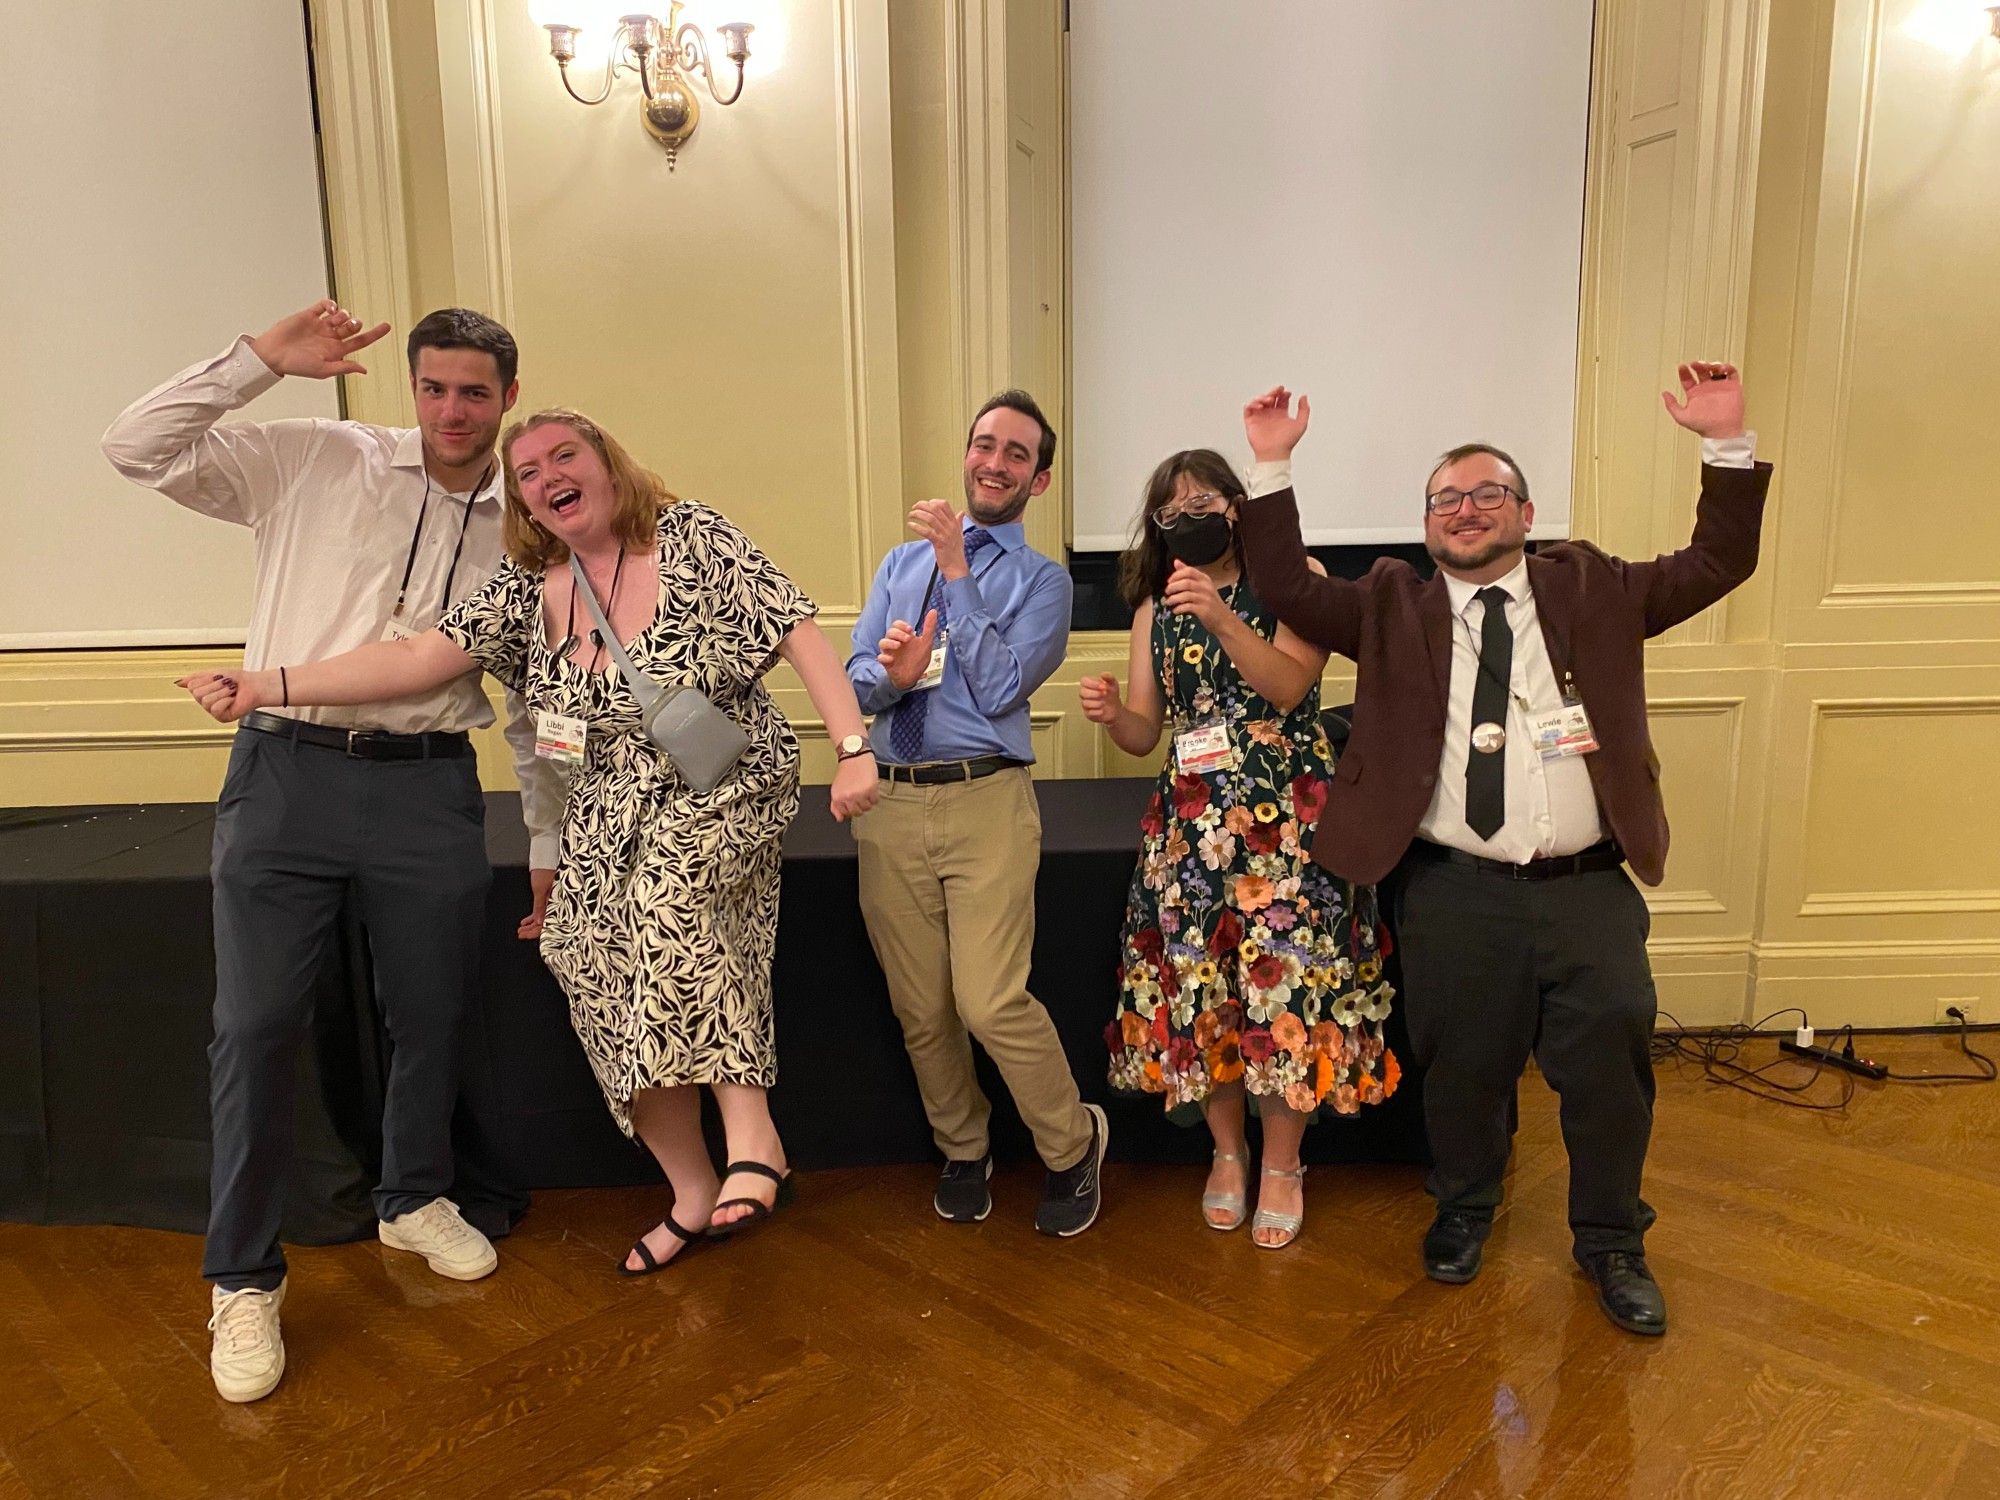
{"x":934,"y":673}
{"x":399,"y":629}
{"x":1204,"y":748}
{"x":1563,"y":732}
{"x":559,"y":739}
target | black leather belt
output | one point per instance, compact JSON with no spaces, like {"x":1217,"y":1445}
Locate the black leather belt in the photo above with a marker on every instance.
{"x":1604,"y":856}
{"x":935,"y":772}
{"x":364,"y":744}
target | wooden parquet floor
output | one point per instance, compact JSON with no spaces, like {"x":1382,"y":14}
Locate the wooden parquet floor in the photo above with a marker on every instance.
{"x":1832,"y":1283}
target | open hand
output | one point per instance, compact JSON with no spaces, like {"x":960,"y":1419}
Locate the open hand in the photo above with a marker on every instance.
{"x":937,"y":523}
{"x":318,"y":342}
{"x":1190,"y":591}
{"x":227,"y":697}
{"x":1270,"y":426}
{"x":1711,"y":400}
{"x":905,"y":654}
{"x":1101,"y":703}
{"x":540,"y":882}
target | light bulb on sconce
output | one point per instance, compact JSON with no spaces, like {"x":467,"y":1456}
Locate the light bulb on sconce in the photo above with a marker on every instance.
{"x":665,"y":53}
{"x":1993,"y":21}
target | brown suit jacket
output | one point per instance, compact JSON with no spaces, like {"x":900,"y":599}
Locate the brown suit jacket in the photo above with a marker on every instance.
{"x":1596,"y":613}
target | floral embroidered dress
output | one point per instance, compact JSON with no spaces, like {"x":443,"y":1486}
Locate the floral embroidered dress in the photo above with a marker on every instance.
{"x":1241,"y":957}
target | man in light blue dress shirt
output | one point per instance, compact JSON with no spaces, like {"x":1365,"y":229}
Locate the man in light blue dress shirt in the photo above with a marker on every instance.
{"x":961,"y":626}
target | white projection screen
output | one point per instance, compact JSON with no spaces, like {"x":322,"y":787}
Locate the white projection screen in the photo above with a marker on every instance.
{"x":162,"y":196}
{"x":1376,"y":202}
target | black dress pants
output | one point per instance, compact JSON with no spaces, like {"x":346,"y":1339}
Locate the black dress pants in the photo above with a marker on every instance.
{"x":297,"y":827}
{"x":1496,"y":970}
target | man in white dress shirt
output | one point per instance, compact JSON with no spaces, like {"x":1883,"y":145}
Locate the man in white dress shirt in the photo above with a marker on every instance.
{"x":1501,"y":757}
{"x":361,"y":531}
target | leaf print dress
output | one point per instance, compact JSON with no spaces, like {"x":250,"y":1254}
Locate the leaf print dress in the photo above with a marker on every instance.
{"x":664,"y":915}
{"x":1242,"y":958}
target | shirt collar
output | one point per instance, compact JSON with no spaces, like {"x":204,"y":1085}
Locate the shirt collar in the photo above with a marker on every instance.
{"x":1514,"y":584}
{"x":409,"y":454}
{"x":1010,"y":538}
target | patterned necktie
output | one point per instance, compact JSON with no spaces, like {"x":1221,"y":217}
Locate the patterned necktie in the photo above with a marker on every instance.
{"x":906,"y":729}
{"x":1486,"y":768}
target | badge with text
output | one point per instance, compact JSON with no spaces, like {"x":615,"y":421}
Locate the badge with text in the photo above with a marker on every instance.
{"x":399,"y":629}
{"x":559,"y":739}
{"x":934,"y":673}
{"x":1203,"y":748}
{"x":1563,"y":732}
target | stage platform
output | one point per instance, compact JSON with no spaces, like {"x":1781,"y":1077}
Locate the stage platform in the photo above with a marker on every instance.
{"x":107,"y":974}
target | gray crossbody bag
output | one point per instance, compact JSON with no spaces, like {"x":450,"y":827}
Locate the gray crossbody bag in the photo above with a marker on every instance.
{"x":701,"y":740}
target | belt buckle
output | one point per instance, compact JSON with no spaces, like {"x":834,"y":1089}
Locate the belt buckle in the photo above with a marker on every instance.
{"x":353,"y":735}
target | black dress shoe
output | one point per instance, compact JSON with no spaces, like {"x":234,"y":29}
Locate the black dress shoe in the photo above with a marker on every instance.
{"x":1452,"y":1246}
{"x":1627,"y":1292}
{"x":961,"y":1195}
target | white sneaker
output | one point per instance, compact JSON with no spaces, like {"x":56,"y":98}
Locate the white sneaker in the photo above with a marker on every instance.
{"x":247,"y":1357}
{"x":449,"y":1245}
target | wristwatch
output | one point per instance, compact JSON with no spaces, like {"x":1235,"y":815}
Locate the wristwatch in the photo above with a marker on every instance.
{"x":851,"y":746}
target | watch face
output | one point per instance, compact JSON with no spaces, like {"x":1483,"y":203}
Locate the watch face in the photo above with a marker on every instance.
{"x":852,"y":745}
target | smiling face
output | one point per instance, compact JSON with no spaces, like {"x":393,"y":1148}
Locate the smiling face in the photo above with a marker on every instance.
{"x":1479,"y":545}
{"x":564,"y":484}
{"x":460,"y":404}
{"x":1000,"y":473}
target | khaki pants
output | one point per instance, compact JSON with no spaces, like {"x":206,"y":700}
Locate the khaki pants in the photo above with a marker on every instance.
{"x":948,"y":891}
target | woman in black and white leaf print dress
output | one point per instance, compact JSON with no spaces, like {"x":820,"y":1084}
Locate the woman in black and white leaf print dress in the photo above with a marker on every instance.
{"x":663,"y":915}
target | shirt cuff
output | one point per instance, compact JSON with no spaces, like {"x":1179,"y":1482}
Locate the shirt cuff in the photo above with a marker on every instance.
{"x":545,"y":850}
{"x":1270,"y":475}
{"x":244,"y":372}
{"x":1730,"y":452}
{"x":962,"y":599}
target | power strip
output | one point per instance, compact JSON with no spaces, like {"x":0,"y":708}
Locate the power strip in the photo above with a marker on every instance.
{"x":1834,"y":1059}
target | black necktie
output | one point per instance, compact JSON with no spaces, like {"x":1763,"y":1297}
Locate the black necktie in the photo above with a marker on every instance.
{"x":1486,"y":761}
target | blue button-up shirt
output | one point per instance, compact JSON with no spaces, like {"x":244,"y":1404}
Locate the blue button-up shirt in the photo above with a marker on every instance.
{"x":1007,"y":630}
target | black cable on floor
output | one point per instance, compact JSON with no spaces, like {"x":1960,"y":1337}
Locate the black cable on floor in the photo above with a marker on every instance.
{"x":1988,"y":1070}
{"x":1718,"y":1050}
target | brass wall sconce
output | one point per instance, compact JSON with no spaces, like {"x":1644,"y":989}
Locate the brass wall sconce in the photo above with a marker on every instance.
{"x":666,"y":54}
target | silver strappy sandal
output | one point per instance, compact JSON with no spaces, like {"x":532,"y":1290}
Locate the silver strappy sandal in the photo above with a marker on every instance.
{"x":1265,"y":1218}
{"x":1233,"y":1204}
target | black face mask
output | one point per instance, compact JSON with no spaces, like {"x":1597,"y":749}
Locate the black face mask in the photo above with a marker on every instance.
{"x":1200,"y":540}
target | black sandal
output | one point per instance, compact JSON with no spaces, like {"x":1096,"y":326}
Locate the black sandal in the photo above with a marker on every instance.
{"x":685,"y":1236}
{"x":758,"y":1211}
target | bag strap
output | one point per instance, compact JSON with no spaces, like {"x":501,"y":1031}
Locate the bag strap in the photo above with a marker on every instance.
{"x":643,"y":688}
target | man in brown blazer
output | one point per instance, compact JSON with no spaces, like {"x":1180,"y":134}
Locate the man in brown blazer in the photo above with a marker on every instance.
{"x":1500,"y":761}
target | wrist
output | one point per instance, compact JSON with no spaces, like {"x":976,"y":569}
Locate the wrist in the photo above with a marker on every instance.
{"x":1270,"y":455}
{"x":954,"y":570}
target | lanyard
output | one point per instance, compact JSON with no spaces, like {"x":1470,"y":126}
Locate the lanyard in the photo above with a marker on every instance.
{"x":410,"y":562}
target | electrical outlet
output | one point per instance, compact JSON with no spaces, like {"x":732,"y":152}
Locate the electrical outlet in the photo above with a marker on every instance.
{"x":1969,"y":1004}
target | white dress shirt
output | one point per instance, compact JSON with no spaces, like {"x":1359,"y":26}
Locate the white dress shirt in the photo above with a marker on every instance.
{"x":335,"y":507}
{"x":1551,"y":808}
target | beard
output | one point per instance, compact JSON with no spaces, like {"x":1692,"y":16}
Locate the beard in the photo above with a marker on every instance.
{"x":991,"y":510}
{"x":1471,"y":553}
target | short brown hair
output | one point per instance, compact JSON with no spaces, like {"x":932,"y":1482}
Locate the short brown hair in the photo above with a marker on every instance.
{"x":638,"y":495}
{"x":1022,"y":402}
{"x":1143,"y":570}
{"x":1469,"y":450}
{"x":462,"y":328}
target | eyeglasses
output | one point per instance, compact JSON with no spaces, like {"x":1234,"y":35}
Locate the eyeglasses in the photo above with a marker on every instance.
{"x":1205,"y":504}
{"x":1483,"y":497}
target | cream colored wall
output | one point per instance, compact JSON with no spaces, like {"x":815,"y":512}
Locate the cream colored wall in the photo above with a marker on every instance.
{"x":795,"y":324}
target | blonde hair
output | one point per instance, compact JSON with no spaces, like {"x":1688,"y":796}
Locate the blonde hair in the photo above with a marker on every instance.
{"x":638,"y":495}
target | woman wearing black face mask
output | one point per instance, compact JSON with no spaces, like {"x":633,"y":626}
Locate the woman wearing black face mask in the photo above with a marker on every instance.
{"x":1249,"y":977}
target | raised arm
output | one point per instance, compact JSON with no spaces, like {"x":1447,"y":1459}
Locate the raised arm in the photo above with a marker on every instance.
{"x":1728,"y":518}
{"x":168,"y":439}
{"x":1324,"y":611}
{"x":1281,"y":670}
{"x":374,"y":673}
